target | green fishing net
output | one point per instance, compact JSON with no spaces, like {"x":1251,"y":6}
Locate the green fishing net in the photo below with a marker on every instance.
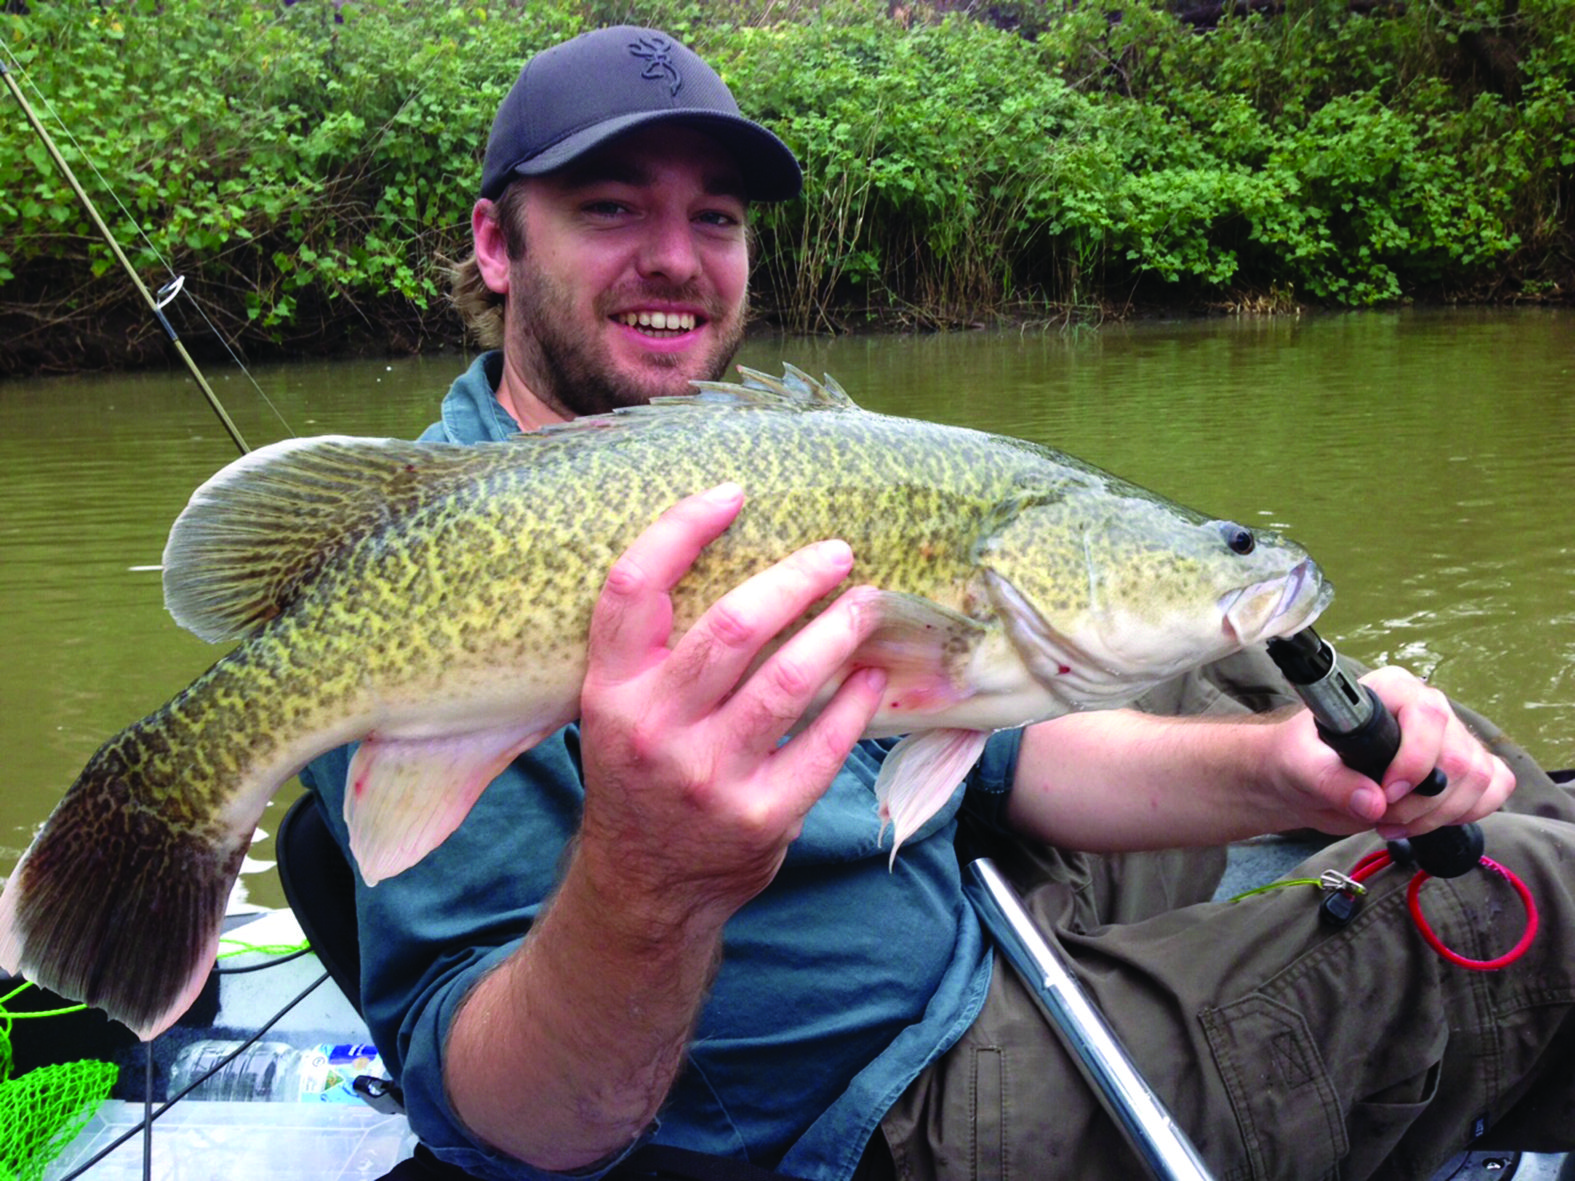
{"x":43,"y":1111}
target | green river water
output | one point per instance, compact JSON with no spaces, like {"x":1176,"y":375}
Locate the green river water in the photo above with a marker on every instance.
{"x":1427,"y":459}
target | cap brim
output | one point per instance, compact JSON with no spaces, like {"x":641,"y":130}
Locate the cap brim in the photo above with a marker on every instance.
{"x":770,"y":170}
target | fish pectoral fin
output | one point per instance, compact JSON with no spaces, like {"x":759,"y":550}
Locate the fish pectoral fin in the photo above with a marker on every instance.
{"x":923,"y":644}
{"x":920,"y":775}
{"x":405,"y":796}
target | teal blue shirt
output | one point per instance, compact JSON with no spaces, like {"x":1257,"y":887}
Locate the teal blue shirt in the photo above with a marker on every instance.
{"x":838,"y":984}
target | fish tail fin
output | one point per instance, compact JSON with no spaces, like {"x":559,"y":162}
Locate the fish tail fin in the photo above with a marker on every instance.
{"x":920,"y":775}
{"x":118,"y":903}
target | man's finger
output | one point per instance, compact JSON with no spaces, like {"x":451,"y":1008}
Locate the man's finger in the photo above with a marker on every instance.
{"x":812,"y":758}
{"x":802,"y":675}
{"x":633,"y":613}
{"x":718,"y":650}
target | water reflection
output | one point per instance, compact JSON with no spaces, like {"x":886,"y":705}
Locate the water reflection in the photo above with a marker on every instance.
{"x":1425,"y":459}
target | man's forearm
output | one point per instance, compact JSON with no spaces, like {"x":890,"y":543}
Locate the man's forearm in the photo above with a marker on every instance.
{"x":1118,"y":780}
{"x":563,"y":1055}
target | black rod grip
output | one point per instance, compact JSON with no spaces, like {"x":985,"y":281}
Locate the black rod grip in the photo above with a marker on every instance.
{"x":1369,"y":746}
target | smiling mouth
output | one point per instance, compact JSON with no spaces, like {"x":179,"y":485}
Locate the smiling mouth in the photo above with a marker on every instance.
{"x":661,"y":324}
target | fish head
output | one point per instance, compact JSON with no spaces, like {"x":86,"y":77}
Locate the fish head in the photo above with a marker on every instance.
{"x":1107,"y":590}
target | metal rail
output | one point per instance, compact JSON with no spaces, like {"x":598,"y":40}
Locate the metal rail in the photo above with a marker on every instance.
{"x":1148,"y":1126}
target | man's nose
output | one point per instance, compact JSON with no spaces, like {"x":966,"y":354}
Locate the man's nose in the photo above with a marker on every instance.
{"x":669,"y":251}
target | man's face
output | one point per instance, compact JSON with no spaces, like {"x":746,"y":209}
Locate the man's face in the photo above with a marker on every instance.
{"x":634,"y":276}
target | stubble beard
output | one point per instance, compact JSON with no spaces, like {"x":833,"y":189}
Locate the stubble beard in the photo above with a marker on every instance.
{"x":568,"y":365}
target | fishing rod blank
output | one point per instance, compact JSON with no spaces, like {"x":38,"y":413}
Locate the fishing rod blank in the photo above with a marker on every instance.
{"x":156,"y":305}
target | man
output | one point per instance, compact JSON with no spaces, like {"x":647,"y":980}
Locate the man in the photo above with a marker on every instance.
{"x":667,"y":924}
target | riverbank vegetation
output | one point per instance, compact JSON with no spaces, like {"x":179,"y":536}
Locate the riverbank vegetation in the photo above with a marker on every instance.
{"x":308,"y":166}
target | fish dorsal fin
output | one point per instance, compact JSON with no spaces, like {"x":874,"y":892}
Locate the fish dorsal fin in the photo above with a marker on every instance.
{"x":794,"y":390}
{"x":252,"y":534}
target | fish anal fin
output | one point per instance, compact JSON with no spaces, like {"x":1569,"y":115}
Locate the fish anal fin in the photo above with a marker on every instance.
{"x":920,"y":775}
{"x":404,"y":796}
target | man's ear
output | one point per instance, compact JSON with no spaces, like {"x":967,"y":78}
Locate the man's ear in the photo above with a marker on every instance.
{"x":492,"y":255}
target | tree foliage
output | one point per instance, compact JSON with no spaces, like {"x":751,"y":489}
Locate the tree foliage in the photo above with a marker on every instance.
{"x":309,"y":165}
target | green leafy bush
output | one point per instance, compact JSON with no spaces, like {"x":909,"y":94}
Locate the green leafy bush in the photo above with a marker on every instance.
{"x":309,"y":176}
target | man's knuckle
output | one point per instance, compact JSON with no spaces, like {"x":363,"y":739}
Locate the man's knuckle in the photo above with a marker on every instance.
{"x":792,"y":679}
{"x":624,"y":578}
{"x":645,"y":741}
{"x":730,"y":626}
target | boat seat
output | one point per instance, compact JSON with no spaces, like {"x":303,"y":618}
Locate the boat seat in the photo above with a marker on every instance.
{"x":319,"y":885}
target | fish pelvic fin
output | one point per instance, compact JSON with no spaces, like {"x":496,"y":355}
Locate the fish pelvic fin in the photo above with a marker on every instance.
{"x":117,"y":903}
{"x":920,"y":775}
{"x":256,"y":532}
{"x":404,"y":797}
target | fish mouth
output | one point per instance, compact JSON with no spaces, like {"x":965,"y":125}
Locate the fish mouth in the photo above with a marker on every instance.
{"x":1276,"y":606}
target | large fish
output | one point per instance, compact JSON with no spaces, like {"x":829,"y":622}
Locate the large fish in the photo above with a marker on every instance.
{"x":433,"y":601}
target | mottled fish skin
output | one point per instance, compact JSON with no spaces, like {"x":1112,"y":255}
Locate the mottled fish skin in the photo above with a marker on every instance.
{"x":418,"y":595}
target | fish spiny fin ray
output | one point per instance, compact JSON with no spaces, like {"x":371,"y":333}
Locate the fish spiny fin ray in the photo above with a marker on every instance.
{"x":920,"y":775}
{"x":258,"y":530}
{"x":794,"y":390}
{"x":403,"y":797}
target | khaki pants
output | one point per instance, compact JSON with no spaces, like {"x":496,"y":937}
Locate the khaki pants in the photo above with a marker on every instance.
{"x":1285,"y":1048}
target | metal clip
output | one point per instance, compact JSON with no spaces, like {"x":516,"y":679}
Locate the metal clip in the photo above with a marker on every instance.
{"x":1342,"y":897}
{"x":380,"y":1094}
{"x":1333,"y":879}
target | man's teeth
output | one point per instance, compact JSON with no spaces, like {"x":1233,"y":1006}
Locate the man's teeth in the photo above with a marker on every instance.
{"x":659,"y":321}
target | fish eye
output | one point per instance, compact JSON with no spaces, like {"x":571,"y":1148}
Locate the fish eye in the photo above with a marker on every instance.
{"x":1237,"y":537}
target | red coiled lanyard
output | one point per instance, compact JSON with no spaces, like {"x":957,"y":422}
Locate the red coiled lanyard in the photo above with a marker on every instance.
{"x":1381,"y":858}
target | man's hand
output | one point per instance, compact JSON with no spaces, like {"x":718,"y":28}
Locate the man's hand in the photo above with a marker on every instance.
{"x":689,"y":788}
{"x":1118,"y":780}
{"x":563,"y":1055}
{"x":1337,"y":799}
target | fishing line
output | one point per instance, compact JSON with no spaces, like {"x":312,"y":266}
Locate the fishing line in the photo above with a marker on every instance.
{"x":283,"y":953}
{"x":10,"y":69}
{"x":146,"y":1125}
{"x":147,"y":1111}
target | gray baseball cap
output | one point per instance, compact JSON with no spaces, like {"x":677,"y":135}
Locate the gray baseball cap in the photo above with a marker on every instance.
{"x":578,"y":95}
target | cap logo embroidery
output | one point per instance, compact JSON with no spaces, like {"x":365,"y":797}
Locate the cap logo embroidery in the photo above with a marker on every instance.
{"x":657,"y":54}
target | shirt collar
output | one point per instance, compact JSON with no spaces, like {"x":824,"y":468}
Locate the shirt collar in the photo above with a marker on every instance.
{"x":471,"y":413}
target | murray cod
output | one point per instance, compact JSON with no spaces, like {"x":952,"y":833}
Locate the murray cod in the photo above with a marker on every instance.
{"x":433,"y":601}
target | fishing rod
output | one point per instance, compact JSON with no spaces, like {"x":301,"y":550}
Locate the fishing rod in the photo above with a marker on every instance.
{"x":1361,"y":730}
{"x":165,"y":294}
